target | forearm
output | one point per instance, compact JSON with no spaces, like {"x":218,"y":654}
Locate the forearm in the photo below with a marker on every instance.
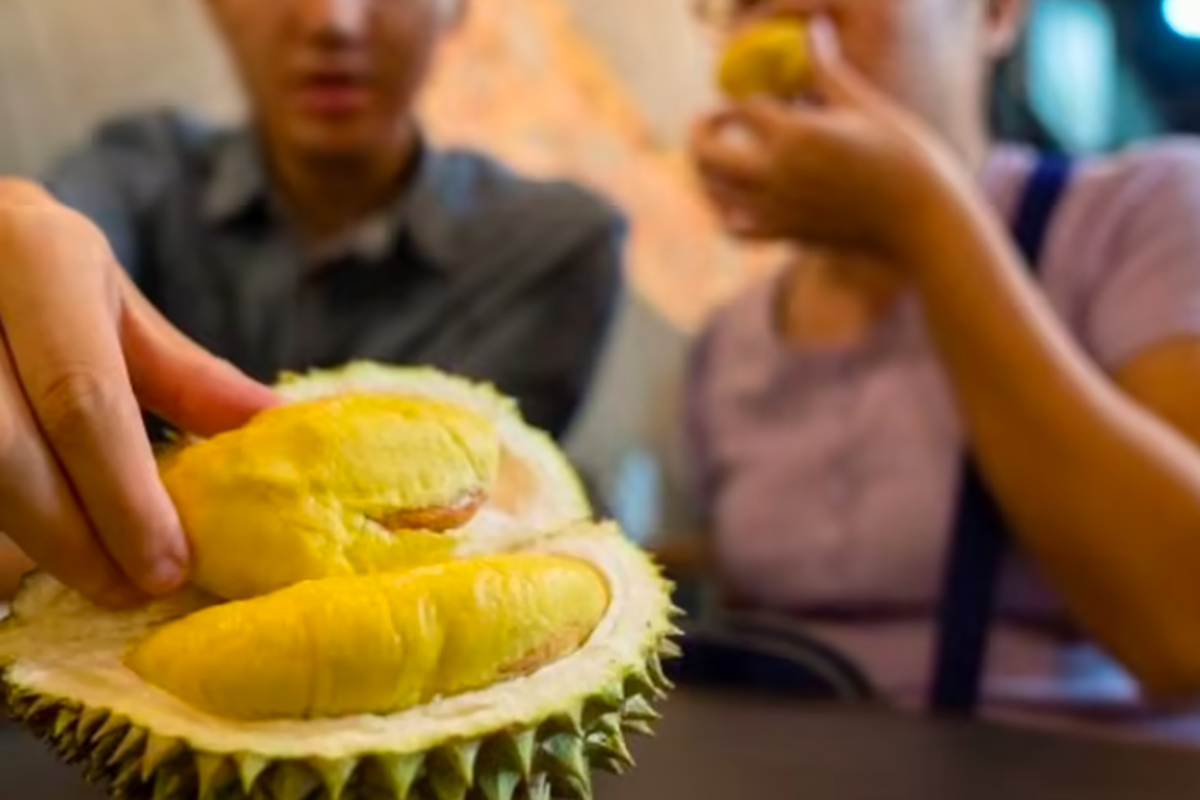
{"x":1103,"y":495}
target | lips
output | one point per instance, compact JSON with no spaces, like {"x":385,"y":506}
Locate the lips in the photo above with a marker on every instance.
{"x":333,"y":93}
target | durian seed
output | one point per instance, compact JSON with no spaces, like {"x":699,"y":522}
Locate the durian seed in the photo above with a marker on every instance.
{"x":159,"y":749}
{"x":249,"y":767}
{"x":292,"y":780}
{"x":130,"y":746}
{"x":400,"y":772}
{"x":213,"y":774}
{"x":334,"y":774}
{"x":499,"y":785}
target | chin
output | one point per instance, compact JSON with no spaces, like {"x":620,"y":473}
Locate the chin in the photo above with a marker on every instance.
{"x":320,"y":139}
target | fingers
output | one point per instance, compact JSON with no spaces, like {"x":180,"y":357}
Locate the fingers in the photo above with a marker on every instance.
{"x":180,"y":381}
{"x":39,"y":511}
{"x":835,"y":80}
{"x":60,"y":304}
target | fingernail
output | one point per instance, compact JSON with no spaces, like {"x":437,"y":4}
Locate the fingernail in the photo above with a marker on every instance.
{"x":166,"y":576}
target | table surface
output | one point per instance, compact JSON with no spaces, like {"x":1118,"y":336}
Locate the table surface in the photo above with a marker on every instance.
{"x":712,"y":747}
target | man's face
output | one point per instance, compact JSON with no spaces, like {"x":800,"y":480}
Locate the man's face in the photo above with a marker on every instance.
{"x":932,"y":56}
{"x":332,"y":78}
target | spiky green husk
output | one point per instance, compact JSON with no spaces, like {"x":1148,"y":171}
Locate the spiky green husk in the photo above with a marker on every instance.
{"x":553,"y":759}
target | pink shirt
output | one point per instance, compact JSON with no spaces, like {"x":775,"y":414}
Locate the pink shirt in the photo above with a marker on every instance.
{"x":829,"y":477}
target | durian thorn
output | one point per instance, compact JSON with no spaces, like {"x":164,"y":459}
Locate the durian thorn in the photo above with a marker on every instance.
{"x":562,"y":755}
{"x":637,"y":726}
{"x":130,"y":746}
{"x":446,"y":785}
{"x":249,"y":768}
{"x":461,"y":760}
{"x":519,"y":750}
{"x":169,"y":785}
{"x":290,"y":780}
{"x":538,"y":788}
{"x":499,"y":785}
{"x":159,"y":750}
{"x":64,"y":722}
{"x":334,"y":774}
{"x":639,"y":708}
{"x":213,"y":773}
{"x":112,"y":724}
{"x":89,"y":721}
{"x":400,"y":772}
{"x":657,"y":676}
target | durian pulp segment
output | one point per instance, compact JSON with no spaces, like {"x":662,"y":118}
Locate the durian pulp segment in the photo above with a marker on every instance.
{"x":769,"y":58}
{"x":376,"y":644}
{"x":537,"y":489}
{"x":323,"y":488}
{"x":59,"y":646}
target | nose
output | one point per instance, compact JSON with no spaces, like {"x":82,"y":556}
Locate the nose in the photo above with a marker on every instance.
{"x":341,"y":19}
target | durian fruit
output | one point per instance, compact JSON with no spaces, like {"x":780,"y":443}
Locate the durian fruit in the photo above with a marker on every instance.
{"x":366,"y":470}
{"x":511,"y":668}
{"x":767,"y":58}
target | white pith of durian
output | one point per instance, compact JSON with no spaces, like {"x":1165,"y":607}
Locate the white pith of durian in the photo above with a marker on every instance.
{"x":75,"y":650}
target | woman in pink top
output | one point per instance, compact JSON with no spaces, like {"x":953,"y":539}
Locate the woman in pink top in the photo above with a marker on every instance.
{"x":832,"y":407}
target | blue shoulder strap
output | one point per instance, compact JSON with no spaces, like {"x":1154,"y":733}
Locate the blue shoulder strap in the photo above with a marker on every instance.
{"x":979,"y":537}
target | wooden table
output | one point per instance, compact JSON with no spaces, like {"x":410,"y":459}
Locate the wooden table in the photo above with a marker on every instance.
{"x":728,"y":748}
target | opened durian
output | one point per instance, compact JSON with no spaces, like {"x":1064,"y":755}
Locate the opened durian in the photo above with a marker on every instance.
{"x":767,"y":58}
{"x":399,"y":593}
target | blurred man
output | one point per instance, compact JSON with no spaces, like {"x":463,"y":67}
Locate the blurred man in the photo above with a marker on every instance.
{"x":330,"y":229}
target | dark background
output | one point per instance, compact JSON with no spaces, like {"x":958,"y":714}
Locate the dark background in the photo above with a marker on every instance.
{"x":1164,"y":66}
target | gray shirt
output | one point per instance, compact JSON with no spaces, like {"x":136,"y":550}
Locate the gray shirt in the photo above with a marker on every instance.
{"x":474,"y":269}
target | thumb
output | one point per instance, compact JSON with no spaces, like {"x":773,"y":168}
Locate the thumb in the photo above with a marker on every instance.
{"x":177,"y":379}
{"x":834,"y":79}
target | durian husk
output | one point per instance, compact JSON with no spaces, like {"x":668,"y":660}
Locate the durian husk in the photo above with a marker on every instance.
{"x":541,"y":735}
{"x":537,"y":736}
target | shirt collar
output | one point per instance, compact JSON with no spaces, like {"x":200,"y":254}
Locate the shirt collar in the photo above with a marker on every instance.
{"x":426,"y":210}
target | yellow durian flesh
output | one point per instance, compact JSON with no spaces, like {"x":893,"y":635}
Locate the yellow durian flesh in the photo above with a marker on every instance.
{"x":336,"y":486}
{"x":376,"y":645}
{"x":768,"y":58}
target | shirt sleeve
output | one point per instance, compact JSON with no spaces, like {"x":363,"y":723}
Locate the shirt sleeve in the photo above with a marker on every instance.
{"x":563,"y":321}
{"x":1148,"y":285}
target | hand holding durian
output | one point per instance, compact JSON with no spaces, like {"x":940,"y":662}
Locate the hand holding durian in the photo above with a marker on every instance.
{"x":398,"y":592}
{"x":809,"y":150}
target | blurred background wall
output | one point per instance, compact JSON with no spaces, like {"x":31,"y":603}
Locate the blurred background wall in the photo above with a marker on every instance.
{"x":601,"y":90}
